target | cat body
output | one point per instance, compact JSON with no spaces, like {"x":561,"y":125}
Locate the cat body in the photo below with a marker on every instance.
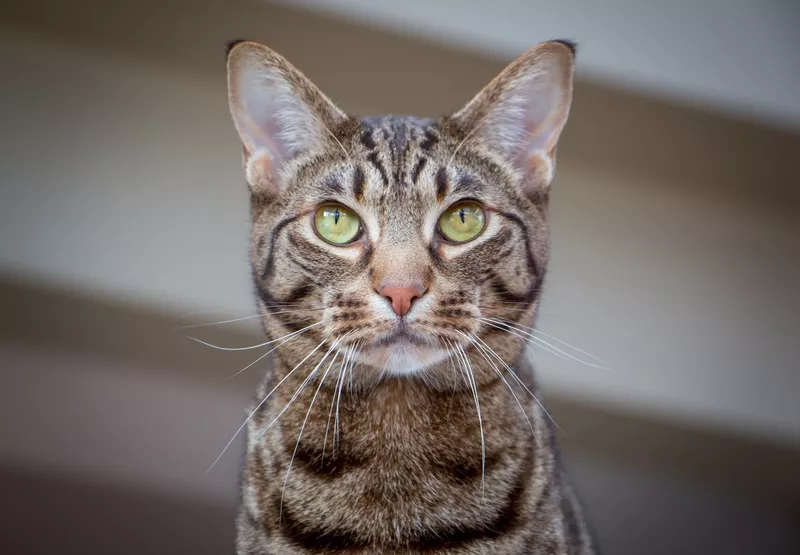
{"x":398,"y":263}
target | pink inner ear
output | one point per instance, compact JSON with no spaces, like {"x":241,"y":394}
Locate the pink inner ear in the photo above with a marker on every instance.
{"x":544,"y":115}
{"x":538,"y":170}
{"x":260,"y":115}
{"x":545,"y":110}
{"x":261,"y":173}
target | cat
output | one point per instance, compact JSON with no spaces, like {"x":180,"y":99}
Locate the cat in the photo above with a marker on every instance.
{"x":398,"y":262}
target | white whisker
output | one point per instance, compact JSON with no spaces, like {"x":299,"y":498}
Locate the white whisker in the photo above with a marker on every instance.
{"x":264,"y":400}
{"x":517,"y":379}
{"x":542,"y":343}
{"x":465,"y":139}
{"x":451,"y":359}
{"x":347,"y":372}
{"x":297,"y":393}
{"x":191,"y":326}
{"x":474,"y":387}
{"x":525,"y":338}
{"x":251,"y":347}
{"x":480,"y":349}
{"x":343,"y":374}
{"x":233,"y":320}
{"x":199,"y":312}
{"x":288,"y":337}
{"x":303,"y":427}
{"x":556,"y":339}
{"x":333,"y":399}
{"x":338,"y":142}
{"x":561,"y":341}
{"x":457,"y":358}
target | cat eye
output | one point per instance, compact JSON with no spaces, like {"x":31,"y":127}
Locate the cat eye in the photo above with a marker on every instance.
{"x":337,"y":224}
{"x":462,"y":222}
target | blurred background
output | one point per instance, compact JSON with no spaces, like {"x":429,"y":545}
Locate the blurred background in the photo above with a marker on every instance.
{"x":124,"y":215}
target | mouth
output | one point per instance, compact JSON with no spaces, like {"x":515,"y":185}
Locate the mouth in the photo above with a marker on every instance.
{"x":402,"y":351}
{"x":400,"y":335}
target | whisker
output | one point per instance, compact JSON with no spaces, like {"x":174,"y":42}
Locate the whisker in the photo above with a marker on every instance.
{"x":450,"y":356}
{"x":232,"y":320}
{"x":474,"y":387}
{"x":382,"y":373}
{"x":350,"y":383}
{"x":288,"y":337}
{"x":470,"y":338}
{"x":251,"y":347}
{"x":556,"y":339}
{"x":264,"y":400}
{"x":504,"y":308}
{"x":338,"y":394}
{"x":338,"y":142}
{"x":561,"y":341}
{"x":219,"y":323}
{"x":303,"y":427}
{"x":525,"y":338}
{"x":333,"y":399}
{"x":290,"y":303}
{"x":517,"y":379}
{"x":471,"y":375}
{"x":465,"y":139}
{"x":527,"y":303}
{"x":544,"y":344}
{"x":199,"y":312}
{"x":296,"y":393}
{"x":451,"y":360}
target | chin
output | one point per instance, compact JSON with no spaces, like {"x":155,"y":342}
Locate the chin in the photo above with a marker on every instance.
{"x":401,"y":356}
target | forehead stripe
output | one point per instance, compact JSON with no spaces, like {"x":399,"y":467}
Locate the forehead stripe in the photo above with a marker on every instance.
{"x":418,"y":169}
{"x":358,"y":183}
{"x":367,"y":140}
{"x":441,"y":184}
{"x":375,"y":161}
{"x":431,"y":140}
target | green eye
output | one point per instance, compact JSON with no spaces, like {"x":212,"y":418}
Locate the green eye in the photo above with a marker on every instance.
{"x":337,"y":224}
{"x":462,"y":222}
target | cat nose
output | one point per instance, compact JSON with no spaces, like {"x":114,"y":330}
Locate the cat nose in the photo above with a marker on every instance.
{"x":401,"y":297}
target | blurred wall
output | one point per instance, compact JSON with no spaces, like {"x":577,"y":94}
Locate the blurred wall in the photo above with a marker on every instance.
{"x":710,"y":54}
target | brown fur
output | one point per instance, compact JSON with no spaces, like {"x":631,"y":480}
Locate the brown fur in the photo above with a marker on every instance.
{"x":393,"y":462}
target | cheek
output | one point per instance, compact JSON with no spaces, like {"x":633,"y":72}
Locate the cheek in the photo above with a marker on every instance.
{"x":475,"y":264}
{"x":514,"y":268}
{"x":324,"y":263}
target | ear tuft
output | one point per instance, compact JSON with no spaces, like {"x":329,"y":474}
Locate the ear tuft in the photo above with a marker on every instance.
{"x":521,"y":113}
{"x":231,"y":44}
{"x":572,"y":45}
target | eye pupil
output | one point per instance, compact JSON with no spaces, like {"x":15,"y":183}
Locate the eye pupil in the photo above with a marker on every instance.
{"x":462,"y":222}
{"x":337,"y":225}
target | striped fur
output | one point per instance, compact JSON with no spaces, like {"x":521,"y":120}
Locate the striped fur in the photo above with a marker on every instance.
{"x":345,"y":456}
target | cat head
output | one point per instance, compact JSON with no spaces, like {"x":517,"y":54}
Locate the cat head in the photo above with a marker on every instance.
{"x":397,"y":240}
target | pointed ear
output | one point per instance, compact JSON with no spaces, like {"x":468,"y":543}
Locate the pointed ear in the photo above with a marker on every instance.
{"x":277,"y":111}
{"x":521,"y":113}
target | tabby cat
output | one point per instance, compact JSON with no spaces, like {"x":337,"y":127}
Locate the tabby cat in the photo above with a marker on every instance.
{"x":399,"y":264}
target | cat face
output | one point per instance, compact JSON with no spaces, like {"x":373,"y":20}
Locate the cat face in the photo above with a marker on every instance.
{"x":393,"y":240}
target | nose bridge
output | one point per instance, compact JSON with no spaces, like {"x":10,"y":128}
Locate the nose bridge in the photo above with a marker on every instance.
{"x":400,"y":263}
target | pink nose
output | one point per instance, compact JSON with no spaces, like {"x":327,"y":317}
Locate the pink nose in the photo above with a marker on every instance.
{"x":401,"y":297}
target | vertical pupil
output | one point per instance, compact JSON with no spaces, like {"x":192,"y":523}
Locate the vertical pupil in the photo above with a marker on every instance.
{"x":461,"y":214}
{"x":335,"y":216}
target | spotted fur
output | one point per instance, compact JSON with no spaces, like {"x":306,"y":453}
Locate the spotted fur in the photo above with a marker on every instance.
{"x":359,"y":442}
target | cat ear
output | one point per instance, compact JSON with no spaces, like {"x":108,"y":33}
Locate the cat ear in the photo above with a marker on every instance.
{"x":277,"y":112}
{"x":521,"y":113}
